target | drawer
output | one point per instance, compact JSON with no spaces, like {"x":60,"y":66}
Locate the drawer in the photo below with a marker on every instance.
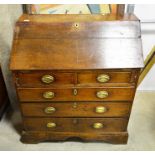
{"x":104,"y":77}
{"x":44,"y":78}
{"x":76,"y":124}
{"x":77,"y":109}
{"x":78,"y":94}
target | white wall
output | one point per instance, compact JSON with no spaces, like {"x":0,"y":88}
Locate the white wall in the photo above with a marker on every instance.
{"x":9,"y":15}
{"x":146,"y":13}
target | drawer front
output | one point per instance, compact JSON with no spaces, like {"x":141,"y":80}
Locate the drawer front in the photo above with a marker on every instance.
{"x":76,"y":124}
{"x":44,"y":79}
{"x":103,"y":77}
{"x":34,"y":94}
{"x":77,"y":109}
{"x":78,"y":94}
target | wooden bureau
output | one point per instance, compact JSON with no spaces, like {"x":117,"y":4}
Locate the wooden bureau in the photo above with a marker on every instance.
{"x":76,"y":75}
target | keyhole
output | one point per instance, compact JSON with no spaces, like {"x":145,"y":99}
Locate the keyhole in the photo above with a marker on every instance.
{"x":75,"y":92}
{"x":76,"y":25}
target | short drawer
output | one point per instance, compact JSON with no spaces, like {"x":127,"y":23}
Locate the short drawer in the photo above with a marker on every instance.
{"x":44,"y":78}
{"x":104,"y":77}
{"x":76,"y":94}
{"x":76,"y":124}
{"x":77,"y":109}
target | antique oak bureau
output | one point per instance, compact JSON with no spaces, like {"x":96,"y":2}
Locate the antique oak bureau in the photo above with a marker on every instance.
{"x":76,"y":75}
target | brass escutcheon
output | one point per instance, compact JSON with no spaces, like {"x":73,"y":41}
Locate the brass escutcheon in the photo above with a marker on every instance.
{"x":49,"y":110}
{"x":97,"y":125}
{"x":76,"y":25}
{"x":103,"y":78}
{"x":102,"y":94}
{"x":47,"y":79}
{"x":48,"y":95}
{"x":75,"y":92}
{"x":100,"y":109}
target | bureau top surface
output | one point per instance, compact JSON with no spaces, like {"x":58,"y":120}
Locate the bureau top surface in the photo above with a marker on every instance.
{"x":53,"y":42}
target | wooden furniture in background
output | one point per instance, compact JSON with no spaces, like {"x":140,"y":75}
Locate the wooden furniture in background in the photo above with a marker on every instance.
{"x":4,"y":101}
{"x":115,"y":9}
{"x":76,"y":75}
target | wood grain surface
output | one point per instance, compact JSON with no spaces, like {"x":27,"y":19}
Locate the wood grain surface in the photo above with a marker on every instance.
{"x":77,"y":109}
{"x":83,"y":94}
{"x":76,"y":124}
{"x":75,"y":50}
{"x":68,"y":78}
{"x":74,"y":54}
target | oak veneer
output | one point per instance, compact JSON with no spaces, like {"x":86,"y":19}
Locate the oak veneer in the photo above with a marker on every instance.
{"x":78,"y":56}
{"x":76,"y":124}
{"x":83,"y":94}
{"x":73,"y":54}
{"x":76,"y":109}
{"x":75,"y":78}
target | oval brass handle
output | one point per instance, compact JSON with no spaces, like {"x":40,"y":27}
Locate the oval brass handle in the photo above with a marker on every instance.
{"x":48,"y":95}
{"x":103,"y":78}
{"x":49,"y":110}
{"x":51,"y":125}
{"x":102,"y":94}
{"x":47,"y":79}
{"x":98,"y":125}
{"x":100,"y":109}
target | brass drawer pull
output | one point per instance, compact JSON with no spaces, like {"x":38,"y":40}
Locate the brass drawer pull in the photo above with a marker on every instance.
{"x":103,"y":78}
{"x":49,"y":110}
{"x":48,"y":95}
{"x":51,"y":125}
{"x":47,"y":79}
{"x":100,"y":109}
{"x":98,"y":125}
{"x":102,"y":94}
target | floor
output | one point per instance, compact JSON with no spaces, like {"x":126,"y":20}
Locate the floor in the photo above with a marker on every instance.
{"x":141,"y":131}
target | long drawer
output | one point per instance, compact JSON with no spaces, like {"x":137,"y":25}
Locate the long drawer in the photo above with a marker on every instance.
{"x":77,"y":109}
{"x":76,"y":94}
{"x":55,"y":78}
{"x":76,"y":124}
